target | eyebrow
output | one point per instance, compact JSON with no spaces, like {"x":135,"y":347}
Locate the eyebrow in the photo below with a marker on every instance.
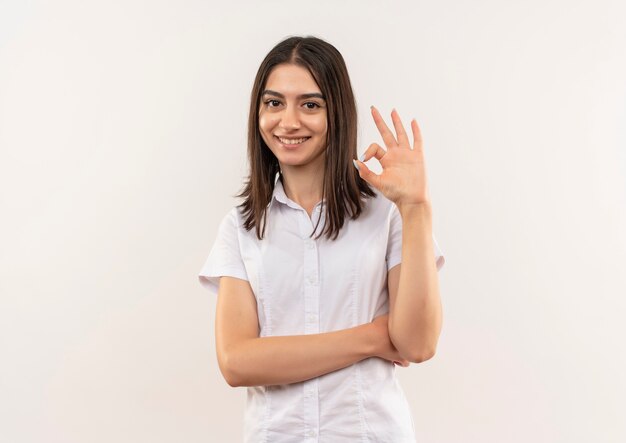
{"x":301,"y":96}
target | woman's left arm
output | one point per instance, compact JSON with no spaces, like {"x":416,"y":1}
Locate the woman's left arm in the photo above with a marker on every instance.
{"x":415,"y":313}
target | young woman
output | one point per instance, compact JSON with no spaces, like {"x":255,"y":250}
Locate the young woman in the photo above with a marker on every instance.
{"x":313,"y":305}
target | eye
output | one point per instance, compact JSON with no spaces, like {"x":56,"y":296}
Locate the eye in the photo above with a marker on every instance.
{"x":314,"y":105}
{"x":271,"y":103}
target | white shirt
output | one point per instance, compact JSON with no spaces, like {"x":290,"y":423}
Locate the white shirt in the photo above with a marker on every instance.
{"x":307,"y":286}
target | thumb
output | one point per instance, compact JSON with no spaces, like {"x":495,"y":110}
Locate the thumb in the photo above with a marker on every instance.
{"x":365,"y":173}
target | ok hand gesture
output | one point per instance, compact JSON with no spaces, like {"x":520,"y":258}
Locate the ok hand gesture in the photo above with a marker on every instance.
{"x":403,"y":179}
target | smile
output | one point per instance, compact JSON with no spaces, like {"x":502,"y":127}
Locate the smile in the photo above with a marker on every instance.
{"x":292,"y":141}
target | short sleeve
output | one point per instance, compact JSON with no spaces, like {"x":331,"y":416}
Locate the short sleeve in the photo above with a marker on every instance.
{"x":394,"y":243}
{"x":225,"y":256}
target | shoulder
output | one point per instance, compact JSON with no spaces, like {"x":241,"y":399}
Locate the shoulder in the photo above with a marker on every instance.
{"x":230,"y":223}
{"x":233,"y":217}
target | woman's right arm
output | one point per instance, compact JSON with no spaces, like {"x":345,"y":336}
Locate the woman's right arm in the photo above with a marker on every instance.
{"x":245,"y":359}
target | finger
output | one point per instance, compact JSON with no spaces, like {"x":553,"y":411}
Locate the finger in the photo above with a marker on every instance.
{"x":373,"y":150}
{"x":367,"y":175}
{"x":403,"y":139}
{"x":403,"y":363}
{"x":417,"y":135}
{"x":388,"y":138}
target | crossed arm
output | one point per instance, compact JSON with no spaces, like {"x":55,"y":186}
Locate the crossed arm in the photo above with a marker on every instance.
{"x":245,"y":359}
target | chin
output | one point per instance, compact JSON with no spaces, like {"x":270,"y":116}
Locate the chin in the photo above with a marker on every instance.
{"x":290,"y":163}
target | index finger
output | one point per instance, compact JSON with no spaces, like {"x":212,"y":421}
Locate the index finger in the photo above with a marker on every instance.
{"x":388,"y":138}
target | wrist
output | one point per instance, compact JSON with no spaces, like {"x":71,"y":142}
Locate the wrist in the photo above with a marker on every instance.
{"x":367,"y":340}
{"x":420,"y":210}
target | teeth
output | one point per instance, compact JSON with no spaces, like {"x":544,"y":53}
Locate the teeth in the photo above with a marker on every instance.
{"x":294,"y":141}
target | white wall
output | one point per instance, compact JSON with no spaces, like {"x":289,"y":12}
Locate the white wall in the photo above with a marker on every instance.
{"x":122,"y":142}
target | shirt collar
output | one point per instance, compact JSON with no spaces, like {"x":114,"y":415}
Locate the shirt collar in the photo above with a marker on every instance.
{"x":279,"y":191}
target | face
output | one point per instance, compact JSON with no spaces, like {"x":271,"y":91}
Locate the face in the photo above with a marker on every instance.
{"x":292,"y":117}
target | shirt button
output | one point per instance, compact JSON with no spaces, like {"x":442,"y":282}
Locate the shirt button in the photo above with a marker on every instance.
{"x":312,"y":317}
{"x":311,"y":279}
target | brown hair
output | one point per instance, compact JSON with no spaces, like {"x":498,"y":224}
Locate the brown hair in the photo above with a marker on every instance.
{"x":343,"y":188}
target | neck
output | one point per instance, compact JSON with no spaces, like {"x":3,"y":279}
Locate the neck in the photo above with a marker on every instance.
{"x":303,"y":187}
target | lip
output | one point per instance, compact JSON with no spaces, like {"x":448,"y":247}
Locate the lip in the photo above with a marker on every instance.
{"x":292,"y":146}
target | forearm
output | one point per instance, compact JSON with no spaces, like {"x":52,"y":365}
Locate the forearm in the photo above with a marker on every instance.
{"x":289,"y":359}
{"x":416,"y":316}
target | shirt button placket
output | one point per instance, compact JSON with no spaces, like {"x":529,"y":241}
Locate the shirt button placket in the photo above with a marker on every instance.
{"x":311,"y":323}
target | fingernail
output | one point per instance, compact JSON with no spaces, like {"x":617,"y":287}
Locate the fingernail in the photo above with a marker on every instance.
{"x":356,"y":165}
{"x":362,"y":157}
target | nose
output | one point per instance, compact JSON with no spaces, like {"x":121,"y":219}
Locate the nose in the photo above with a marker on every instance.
{"x":289,"y":118}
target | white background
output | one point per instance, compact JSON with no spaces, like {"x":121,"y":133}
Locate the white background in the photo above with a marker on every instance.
{"x":122,"y":143}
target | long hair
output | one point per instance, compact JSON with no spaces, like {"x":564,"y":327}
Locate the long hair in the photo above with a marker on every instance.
{"x":343,"y":188}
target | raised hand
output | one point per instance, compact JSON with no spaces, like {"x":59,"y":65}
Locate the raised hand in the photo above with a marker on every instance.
{"x":403,"y":179}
